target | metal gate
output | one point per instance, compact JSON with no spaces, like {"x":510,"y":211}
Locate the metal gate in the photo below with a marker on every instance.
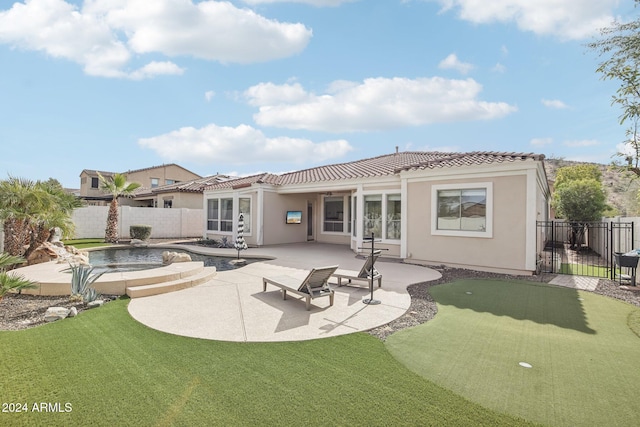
{"x":583,"y":249}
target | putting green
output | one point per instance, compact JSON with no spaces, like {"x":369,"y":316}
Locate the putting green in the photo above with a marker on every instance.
{"x":584,"y":356}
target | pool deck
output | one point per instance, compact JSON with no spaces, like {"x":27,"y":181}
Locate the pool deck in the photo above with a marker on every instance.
{"x":232,"y":306}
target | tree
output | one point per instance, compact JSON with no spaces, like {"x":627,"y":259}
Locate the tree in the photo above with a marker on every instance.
{"x":579,"y":198}
{"x":580,"y":201}
{"x":117,"y":186}
{"x":31,"y":210}
{"x":620,"y":48}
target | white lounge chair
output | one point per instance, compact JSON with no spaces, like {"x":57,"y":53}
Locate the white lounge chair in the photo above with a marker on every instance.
{"x":365,"y":273}
{"x":315,"y":285}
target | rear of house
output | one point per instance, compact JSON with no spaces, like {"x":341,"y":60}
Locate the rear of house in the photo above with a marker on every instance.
{"x":472,"y":210}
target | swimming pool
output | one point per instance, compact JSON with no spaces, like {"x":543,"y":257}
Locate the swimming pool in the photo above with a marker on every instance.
{"x":113,"y":260}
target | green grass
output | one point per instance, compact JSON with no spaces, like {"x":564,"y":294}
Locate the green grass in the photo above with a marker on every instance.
{"x":583,"y":351}
{"x":584,"y":270}
{"x":115,"y":371}
{"x":85,"y":243}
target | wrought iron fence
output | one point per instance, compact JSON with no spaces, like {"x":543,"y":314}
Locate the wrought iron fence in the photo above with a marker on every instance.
{"x":583,"y":249}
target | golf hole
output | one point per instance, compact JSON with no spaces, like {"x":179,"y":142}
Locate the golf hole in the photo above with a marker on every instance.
{"x":525,"y":365}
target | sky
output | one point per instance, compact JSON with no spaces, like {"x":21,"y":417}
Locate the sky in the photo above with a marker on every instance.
{"x":243,"y":87}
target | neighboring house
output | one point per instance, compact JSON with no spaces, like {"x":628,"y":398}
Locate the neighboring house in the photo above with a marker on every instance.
{"x":186,"y":194}
{"x":472,"y":210}
{"x":150,"y":178}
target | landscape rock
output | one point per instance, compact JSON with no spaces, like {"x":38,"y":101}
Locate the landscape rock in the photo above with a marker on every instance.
{"x":56,"y":313}
{"x":73,"y":312}
{"x":239,"y":261}
{"x":169,"y":257}
{"x":56,"y":251}
{"x":96,"y":303}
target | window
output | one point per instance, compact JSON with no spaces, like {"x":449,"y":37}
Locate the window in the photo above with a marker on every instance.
{"x":95,"y":182}
{"x":245,"y":210}
{"x":168,"y":203}
{"x":212,"y":214}
{"x":382,"y":216}
{"x":220,"y":214}
{"x":155,"y":182}
{"x":354,"y":216}
{"x":333,"y":214}
{"x":393,"y":217}
{"x":373,"y":216}
{"x":462,"y":210}
{"x":170,"y":181}
{"x":226,"y":214}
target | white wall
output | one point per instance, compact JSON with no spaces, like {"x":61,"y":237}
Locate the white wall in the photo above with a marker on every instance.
{"x":91,"y":221}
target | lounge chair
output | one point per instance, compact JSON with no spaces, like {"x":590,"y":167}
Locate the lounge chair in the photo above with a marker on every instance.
{"x":315,"y":285}
{"x":365,"y":273}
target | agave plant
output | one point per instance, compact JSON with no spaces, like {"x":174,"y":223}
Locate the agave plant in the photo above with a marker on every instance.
{"x":12,"y":282}
{"x":81,"y":281}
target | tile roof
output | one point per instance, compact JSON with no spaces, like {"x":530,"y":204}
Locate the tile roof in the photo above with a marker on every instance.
{"x":246,"y":181}
{"x":192,"y":186}
{"x":385,"y":165}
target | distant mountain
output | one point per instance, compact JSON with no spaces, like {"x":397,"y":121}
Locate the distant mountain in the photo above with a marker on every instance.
{"x":622,"y":191}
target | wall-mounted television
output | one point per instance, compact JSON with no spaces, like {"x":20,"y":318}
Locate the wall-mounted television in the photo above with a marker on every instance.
{"x":294,"y":217}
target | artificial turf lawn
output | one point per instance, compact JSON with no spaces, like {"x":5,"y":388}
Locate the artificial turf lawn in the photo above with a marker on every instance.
{"x":583,"y":352}
{"x":86,"y":243}
{"x":115,"y":371}
{"x":585,"y":270}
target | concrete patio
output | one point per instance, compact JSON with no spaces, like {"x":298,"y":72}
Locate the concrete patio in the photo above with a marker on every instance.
{"x":233,"y":307}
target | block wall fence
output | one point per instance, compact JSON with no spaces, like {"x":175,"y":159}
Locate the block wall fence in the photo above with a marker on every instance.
{"x":91,"y":221}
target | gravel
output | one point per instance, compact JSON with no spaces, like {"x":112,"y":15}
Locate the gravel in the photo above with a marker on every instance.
{"x":27,"y":311}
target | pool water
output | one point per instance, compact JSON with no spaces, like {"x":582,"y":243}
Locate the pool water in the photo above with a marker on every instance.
{"x":131,"y":259}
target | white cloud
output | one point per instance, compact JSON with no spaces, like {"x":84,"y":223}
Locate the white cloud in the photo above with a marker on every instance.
{"x":154,"y":68}
{"x":318,"y":3}
{"x":240,"y":145}
{"x":499,"y":68}
{"x":208,"y":95}
{"x":581,"y":143}
{"x":540,"y":142}
{"x":555,"y":104}
{"x":104,"y":35}
{"x":452,"y":62}
{"x":375,"y":104}
{"x":567,"y":19}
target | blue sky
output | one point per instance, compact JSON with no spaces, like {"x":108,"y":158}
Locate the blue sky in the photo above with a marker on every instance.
{"x":254,"y":86}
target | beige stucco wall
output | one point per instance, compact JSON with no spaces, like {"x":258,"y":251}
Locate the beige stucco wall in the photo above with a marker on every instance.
{"x":505,"y":251}
{"x":143,"y":177}
{"x":276,"y":231}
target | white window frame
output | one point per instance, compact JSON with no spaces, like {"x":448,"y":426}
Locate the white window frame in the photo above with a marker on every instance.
{"x":487,"y":186}
{"x":345,"y":215}
{"x":246,"y":221}
{"x":385,"y":197}
{"x":235,"y":204}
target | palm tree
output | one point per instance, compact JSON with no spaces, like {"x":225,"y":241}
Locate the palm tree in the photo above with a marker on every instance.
{"x":30,"y":210}
{"x":12,"y":282}
{"x":116,"y":186}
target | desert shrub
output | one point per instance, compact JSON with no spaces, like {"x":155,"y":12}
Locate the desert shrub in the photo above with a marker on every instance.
{"x":140,"y":232}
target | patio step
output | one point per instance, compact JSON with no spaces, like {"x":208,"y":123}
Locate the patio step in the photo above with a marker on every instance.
{"x":203,"y":276}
